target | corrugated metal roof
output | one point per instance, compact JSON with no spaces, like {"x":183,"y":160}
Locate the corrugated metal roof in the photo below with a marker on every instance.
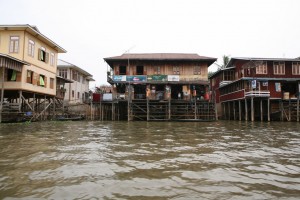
{"x":35,"y":32}
{"x":65,"y":64}
{"x":160,"y":56}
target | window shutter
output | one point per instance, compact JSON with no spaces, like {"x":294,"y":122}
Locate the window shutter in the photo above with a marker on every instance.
{"x":39,"y":54}
{"x":35,"y":79}
{"x":47,"y":58}
{"x":45,"y":81}
{"x":19,"y":76}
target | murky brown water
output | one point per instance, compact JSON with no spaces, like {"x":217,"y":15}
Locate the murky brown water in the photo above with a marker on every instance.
{"x":140,"y":160}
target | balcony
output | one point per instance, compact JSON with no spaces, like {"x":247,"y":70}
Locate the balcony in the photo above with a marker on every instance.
{"x":257,"y":93}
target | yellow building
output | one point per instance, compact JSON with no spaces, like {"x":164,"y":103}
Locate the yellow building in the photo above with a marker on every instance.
{"x":29,"y":84}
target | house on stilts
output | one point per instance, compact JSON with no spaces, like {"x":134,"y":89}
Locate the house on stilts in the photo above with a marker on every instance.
{"x":157,"y":86}
{"x":30,"y":88}
{"x":257,"y":89}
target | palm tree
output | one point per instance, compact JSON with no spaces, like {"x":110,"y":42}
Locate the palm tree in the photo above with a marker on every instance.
{"x":225,"y":61}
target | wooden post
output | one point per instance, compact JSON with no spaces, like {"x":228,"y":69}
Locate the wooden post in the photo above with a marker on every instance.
{"x":261,"y":110}
{"x":148,"y":117}
{"x":233,"y":110}
{"x":169,"y":109}
{"x":282,"y":110}
{"x":246,"y":110}
{"x":54,"y":107}
{"x":33,"y":103}
{"x":195,"y":109}
{"x":252,"y":109}
{"x":298,"y":102}
{"x":224,"y":110}
{"x":216,"y":109}
{"x":289,"y":110}
{"x":268,"y":109}
{"x":20,"y":100}
{"x":112,"y":111}
{"x":229,"y":110}
{"x":2,"y":94}
{"x":240,"y":110}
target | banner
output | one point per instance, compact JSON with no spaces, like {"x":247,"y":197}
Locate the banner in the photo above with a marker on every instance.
{"x":253,"y":84}
{"x":157,"y":78}
{"x":138,"y":78}
{"x":173,"y":77}
{"x":119,"y":78}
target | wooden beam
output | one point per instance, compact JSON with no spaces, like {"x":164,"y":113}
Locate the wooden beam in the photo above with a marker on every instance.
{"x":246,"y":110}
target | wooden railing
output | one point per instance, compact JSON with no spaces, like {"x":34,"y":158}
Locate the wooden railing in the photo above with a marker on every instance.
{"x":257,"y":93}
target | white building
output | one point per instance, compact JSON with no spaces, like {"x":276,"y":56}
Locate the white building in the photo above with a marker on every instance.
{"x":78,"y":91}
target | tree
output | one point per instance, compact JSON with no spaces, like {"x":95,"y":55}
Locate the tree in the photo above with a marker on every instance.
{"x":225,"y":61}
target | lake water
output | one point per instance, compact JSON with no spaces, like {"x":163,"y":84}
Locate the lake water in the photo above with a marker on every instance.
{"x":150,"y":160}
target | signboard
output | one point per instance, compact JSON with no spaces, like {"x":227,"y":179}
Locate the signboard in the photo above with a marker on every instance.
{"x":278,"y":87}
{"x":157,"y":78}
{"x":138,"y":78}
{"x":173,"y":77}
{"x":253,"y":84}
{"x":107,"y":97}
{"x":119,"y":78}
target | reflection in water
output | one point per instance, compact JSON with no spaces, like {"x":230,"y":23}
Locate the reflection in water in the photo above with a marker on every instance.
{"x":150,"y":160}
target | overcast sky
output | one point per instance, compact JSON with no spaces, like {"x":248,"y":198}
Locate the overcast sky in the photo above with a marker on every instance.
{"x":91,"y":30}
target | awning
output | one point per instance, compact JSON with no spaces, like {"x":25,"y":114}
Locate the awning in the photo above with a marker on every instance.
{"x":10,"y":62}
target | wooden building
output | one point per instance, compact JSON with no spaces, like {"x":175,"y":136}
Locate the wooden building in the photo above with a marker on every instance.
{"x":28,"y":78}
{"x":160,"y":86}
{"x":257,"y":89}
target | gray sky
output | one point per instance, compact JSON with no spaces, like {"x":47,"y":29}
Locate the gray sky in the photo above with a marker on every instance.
{"x":93,"y":29}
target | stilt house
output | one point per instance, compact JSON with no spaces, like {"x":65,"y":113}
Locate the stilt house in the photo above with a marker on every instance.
{"x":257,"y":89}
{"x":160,"y":86}
{"x":27,"y":73}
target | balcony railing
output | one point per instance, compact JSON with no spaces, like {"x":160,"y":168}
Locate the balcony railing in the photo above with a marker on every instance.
{"x":257,"y":93}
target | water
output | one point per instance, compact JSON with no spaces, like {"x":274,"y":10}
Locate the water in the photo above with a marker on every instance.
{"x":154,"y":160}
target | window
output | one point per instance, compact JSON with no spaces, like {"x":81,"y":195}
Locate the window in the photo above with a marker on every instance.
{"x":139,"y":70}
{"x":42,"y":81}
{"x":63,"y":73}
{"x":197,"y":70}
{"x":75,"y":75}
{"x":73,"y":93}
{"x":122,"y":70}
{"x":261,"y":68}
{"x":29,"y":76}
{"x":52,"y":83}
{"x":279,"y":67}
{"x":11,"y":75}
{"x":176,"y":70}
{"x":52,"y":58}
{"x":296,"y":68}
{"x":78,"y":95}
{"x":31,"y":48}
{"x":43,"y":55}
{"x":157,"y":70}
{"x":14,"y":44}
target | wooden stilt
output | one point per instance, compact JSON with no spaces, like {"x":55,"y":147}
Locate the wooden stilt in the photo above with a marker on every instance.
{"x":2,"y":94}
{"x":20,"y":100}
{"x":233,"y":110}
{"x":268,"y":109}
{"x":229,"y":110}
{"x":240,"y":111}
{"x":298,"y":104}
{"x":169,"y":109}
{"x":261,"y":110}
{"x":252,"y":109}
{"x":224,"y":110}
{"x":289,"y":110}
{"x":195,"y":109}
{"x":148,"y":117}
